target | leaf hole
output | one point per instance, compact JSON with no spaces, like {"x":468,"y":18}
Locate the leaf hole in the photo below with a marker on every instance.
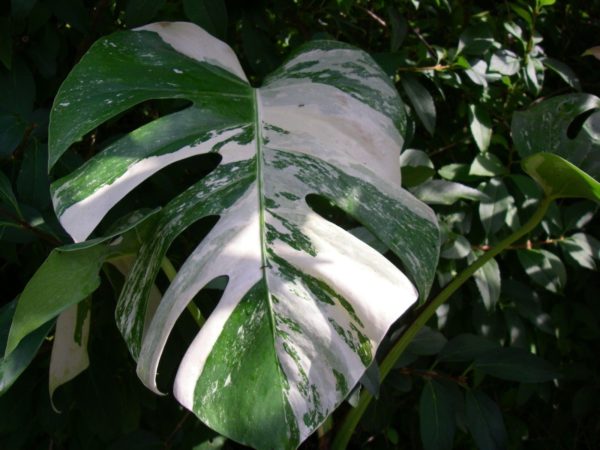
{"x":163,"y":186}
{"x":115,"y":128}
{"x":576,"y":125}
{"x":331,"y":212}
{"x":186,"y":329}
{"x":187,"y":241}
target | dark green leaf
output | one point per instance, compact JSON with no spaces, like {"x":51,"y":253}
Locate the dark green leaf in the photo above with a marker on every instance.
{"x":534,"y":75}
{"x":523,"y":13}
{"x":427,"y":342}
{"x":476,"y":39}
{"x":457,"y":247}
{"x":563,"y":71}
{"x":399,"y":28}
{"x":457,"y":172}
{"x":7,"y":196}
{"x":481,"y":126}
{"x":33,"y":184}
{"x":436,"y":417}
{"x":581,"y":250}
{"x":441,"y":192}
{"x":484,"y":421}
{"x":515,"y":30}
{"x":12,"y":130}
{"x":421,"y":100}
{"x":488,"y":281}
{"x":516,"y":327}
{"x":559,"y":178}
{"x":465,"y":348}
{"x":544,"y":268}
{"x":13,"y":365}
{"x":209,"y":14}
{"x":486,"y":165}
{"x":499,"y":210}
{"x":528,"y":304}
{"x":550,"y":126}
{"x":69,"y":275}
{"x":416,"y":167}
{"x":515,"y":364}
{"x":505,"y":62}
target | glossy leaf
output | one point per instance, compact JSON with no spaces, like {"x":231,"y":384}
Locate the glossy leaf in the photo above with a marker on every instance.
{"x":488,"y":280}
{"x":486,"y":165}
{"x":545,"y":268}
{"x":481,"y":126}
{"x":68,"y":276}
{"x":442,"y":192}
{"x":421,"y":100}
{"x":505,"y":62}
{"x":298,"y":323}
{"x":563,"y":71}
{"x":498,"y":210}
{"x":416,"y":167}
{"x":560,"y":153}
{"x":559,"y":178}
{"x":581,"y":250}
{"x":476,"y":39}
{"x":11,"y":366}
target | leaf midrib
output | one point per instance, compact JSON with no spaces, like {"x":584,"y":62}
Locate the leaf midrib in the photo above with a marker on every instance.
{"x":262,"y":228}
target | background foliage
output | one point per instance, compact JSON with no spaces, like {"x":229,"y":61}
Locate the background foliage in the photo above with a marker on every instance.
{"x":464,"y":68}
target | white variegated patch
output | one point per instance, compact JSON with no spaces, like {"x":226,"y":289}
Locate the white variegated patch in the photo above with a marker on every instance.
{"x":69,"y":355}
{"x":329,"y":123}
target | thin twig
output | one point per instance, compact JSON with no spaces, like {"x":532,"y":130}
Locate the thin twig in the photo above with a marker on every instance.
{"x":430,"y":49}
{"x":176,"y":429}
{"x":462,"y":380}
{"x":526,"y":245}
{"x":437,"y":68}
{"x":375,"y":17}
{"x":45,"y":236}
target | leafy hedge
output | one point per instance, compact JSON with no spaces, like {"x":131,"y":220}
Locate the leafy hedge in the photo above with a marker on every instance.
{"x":508,"y":362}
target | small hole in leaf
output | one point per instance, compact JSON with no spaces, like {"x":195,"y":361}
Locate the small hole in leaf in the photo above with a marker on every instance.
{"x":331,"y":212}
{"x":189,"y":239}
{"x":163,"y":186}
{"x":577,"y":123}
{"x":124,"y":123}
{"x":185,"y":330}
{"x":336,"y":215}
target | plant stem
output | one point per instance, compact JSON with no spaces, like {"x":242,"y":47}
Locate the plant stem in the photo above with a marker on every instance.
{"x":428,"y":310}
{"x":169,"y":270}
{"x":437,"y":68}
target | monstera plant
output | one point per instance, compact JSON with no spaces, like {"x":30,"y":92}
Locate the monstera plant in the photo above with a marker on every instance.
{"x":306,"y":303}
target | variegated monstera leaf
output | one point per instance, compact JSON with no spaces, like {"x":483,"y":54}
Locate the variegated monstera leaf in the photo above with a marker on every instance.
{"x":307,"y":303}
